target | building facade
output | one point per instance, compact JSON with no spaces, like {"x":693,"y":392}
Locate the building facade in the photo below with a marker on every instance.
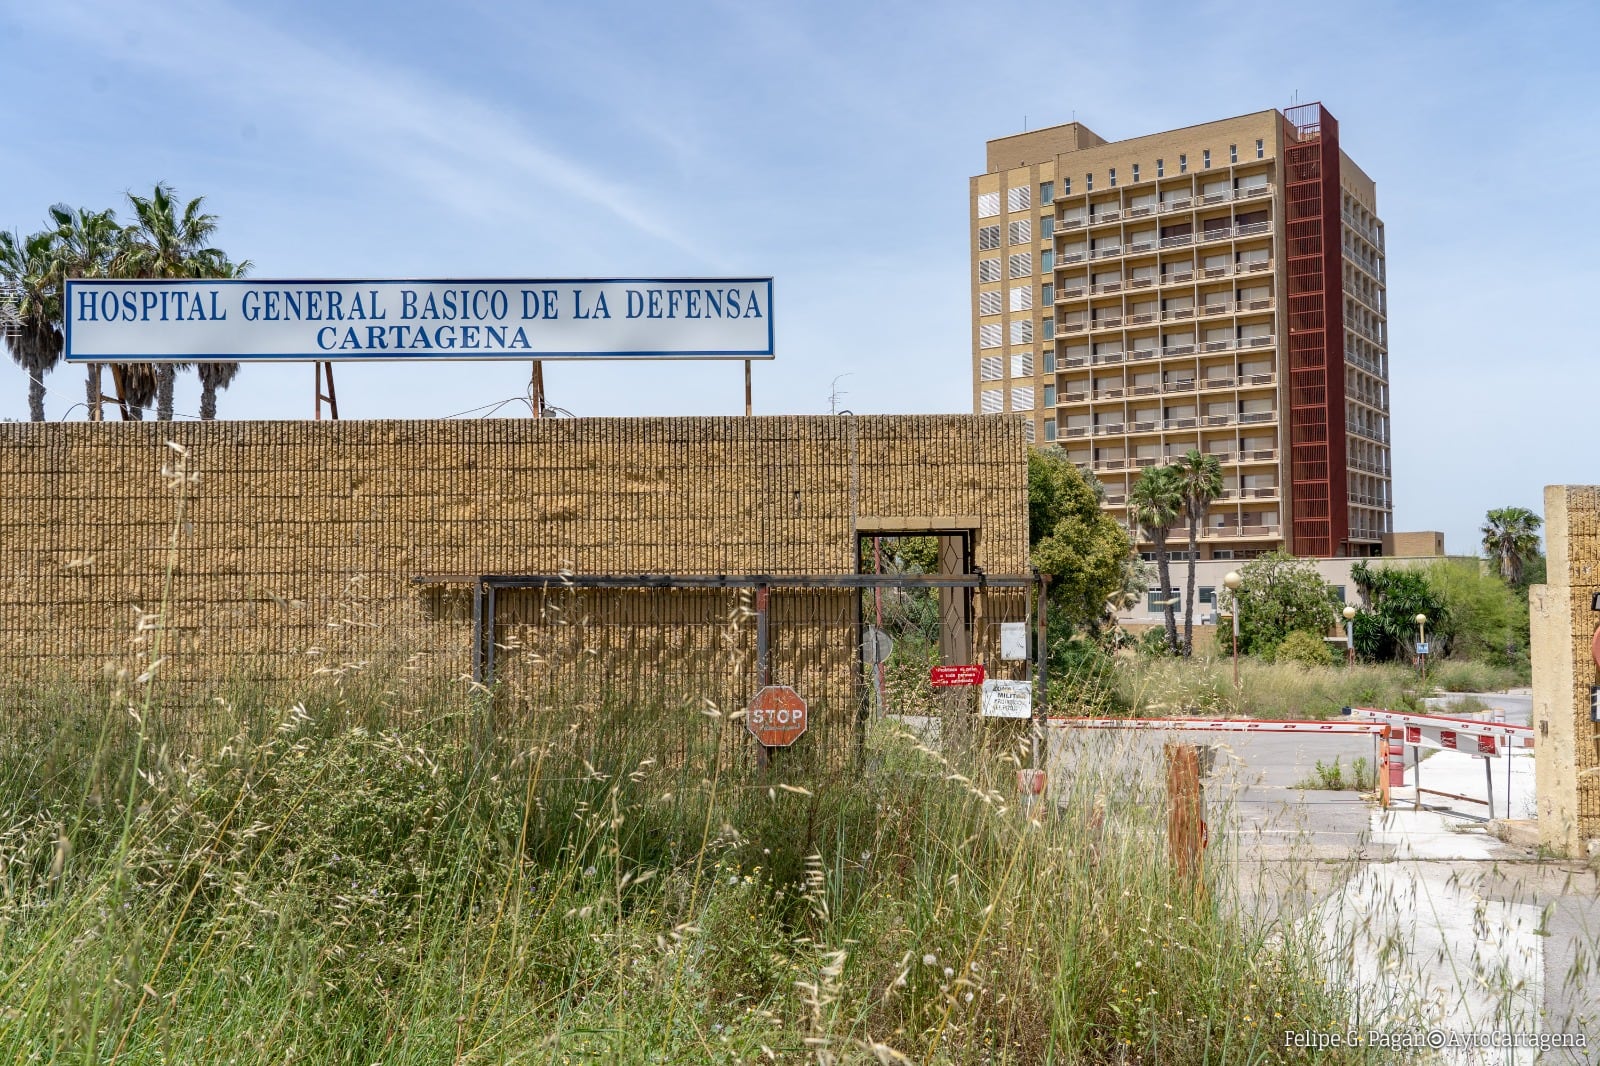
{"x":1218,"y":287}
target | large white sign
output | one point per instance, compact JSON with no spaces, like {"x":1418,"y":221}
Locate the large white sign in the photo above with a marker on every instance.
{"x":1007,"y":699}
{"x":313,"y":321}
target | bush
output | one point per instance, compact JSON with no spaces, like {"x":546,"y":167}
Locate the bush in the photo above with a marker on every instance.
{"x":1307,"y":649}
{"x":1279,"y":594}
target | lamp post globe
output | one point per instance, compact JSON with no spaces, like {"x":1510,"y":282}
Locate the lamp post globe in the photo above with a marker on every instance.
{"x":1422,"y":639}
{"x":1349,"y":634}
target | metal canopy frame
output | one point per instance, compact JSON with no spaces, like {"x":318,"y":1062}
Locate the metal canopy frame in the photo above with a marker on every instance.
{"x":486,"y":586}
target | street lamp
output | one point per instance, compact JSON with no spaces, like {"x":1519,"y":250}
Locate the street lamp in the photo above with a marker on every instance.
{"x":1232,"y":580}
{"x":1422,"y":642}
{"x":1349,"y":636}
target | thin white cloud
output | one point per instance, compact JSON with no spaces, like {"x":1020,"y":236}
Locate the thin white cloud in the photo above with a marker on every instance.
{"x":459,"y":149}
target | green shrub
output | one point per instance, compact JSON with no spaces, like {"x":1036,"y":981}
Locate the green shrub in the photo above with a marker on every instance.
{"x":1307,"y":649}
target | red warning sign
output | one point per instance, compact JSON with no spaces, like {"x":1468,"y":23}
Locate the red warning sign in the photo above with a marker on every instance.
{"x":952,"y":676}
{"x":776,"y":716}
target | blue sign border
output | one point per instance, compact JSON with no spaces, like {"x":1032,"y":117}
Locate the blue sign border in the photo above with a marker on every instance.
{"x":332,"y":357}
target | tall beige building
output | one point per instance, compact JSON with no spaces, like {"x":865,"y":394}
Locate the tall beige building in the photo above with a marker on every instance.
{"x":1218,"y":287}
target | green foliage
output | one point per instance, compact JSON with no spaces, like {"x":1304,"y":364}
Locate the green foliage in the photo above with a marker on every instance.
{"x":1306,"y":649}
{"x":1363,"y":777}
{"x":1387,"y":629}
{"x":1076,"y":544}
{"x":1483,"y":618}
{"x":1279,"y":594}
{"x":1200,"y":482}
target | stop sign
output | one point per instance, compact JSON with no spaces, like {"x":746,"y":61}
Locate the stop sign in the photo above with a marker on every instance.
{"x":776,"y":716}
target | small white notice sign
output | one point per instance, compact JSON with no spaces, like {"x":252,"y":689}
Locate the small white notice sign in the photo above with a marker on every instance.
{"x":1014,"y":641}
{"x":1007,"y":699}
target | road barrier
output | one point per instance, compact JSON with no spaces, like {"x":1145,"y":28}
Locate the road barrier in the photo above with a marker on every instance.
{"x":1472,"y":736}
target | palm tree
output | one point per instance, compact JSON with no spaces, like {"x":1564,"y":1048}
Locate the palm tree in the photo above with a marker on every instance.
{"x":36,"y":342}
{"x":215,"y":376}
{"x":1200,"y":482}
{"x":87,"y":243}
{"x":163,"y":244}
{"x":1510,"y":536}
{"x":1154,"y":503}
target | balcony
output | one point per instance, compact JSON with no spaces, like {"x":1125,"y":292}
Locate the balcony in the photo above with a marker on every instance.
{"x":1177,"y":314}
{"x":1369,"y":501}
{"x":1109,"y":429}
{"x":1075,"y":360}
{"x":1109,"y":394}
{"x":1250,"y":381}
{"x":1068,"y":258}
{"x":1142,"y":427}
{"x":1371,"y":334}
{"x":1249,"y":417}
{"x":1143,"y":318}
{"x":1074,"y":397}
{"x":1074,"y":431}
{"x":1071,"y":292}
{"x":1106,"y":286}
{"x":1184,"y":277}
{"x":1141,"y":354}
{"x":1066,"y":223}
{"x":1368,"y":434}
{"x":1231,"y":529}
{"x":1145,"y":390}
{"x":1183,"y":385}
{"x":1071,"y":327}
{"x":1101,"y":217}
{"x":1184,"y":204}
{"x":1143,"y":282}
{"x":1257,"y":455}
{"x":1141,"y":211}
{"x":1105,"y":253}
{"x":1107,"y":322}
{"x":1180,"y":423}
{"x":1181,"y":241}
{"x":1106,"y":358}
{"x":1364,"y":467}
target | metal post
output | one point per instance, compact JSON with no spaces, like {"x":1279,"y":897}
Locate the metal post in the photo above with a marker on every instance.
{"x":1488,"y":776}
{"x":763,"y":658}
{"x":488,"y":634}
{"x":747,"y":408}
{"x":536,"y":387}
{"x":877,"y":621}
{"x":1416,"y":776}
{"x":477,"y":631}
{"x":1041,"y":683}
{"x":1236,"y":648}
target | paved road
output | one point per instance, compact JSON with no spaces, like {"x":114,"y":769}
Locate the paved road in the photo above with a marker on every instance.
{"x":1427,"y":914}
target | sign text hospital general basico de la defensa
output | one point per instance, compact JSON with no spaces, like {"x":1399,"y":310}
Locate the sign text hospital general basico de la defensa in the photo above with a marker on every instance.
{"x":315,"y":321}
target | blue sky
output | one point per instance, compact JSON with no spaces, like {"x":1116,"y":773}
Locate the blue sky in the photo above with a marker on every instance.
{"x":827,"y":145}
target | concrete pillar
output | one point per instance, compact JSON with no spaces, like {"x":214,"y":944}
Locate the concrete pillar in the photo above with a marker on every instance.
{"x":1567,"y":742}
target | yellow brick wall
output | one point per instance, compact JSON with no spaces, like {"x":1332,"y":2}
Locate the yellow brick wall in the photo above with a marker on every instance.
{"x":1568,"y":742}
{"x":300,"y":540}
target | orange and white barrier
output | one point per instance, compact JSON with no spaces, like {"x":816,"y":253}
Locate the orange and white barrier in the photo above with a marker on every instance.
{"x":1470,"y":735}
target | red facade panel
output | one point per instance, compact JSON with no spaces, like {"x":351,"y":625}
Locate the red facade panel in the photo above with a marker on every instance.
{"x":1319,"y":514}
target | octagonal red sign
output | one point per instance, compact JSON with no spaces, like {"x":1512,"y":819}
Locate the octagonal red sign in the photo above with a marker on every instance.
{"x":776,"y":716}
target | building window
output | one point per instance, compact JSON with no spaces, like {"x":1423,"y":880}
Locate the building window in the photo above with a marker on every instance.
{"x":1049,"y":357}
{"x":1028,"y":431}
{"x":1047,"y":227}
{"x":1022,"y":398}
{"x":1020,"y":232}
{"x":1338,"y":590}
{"x":992,"y":401}
{"x":1222,"y":553}
{"x":1155,"y":603}
{"x":1233,"y":153}
{"x":1049,"y":395}
{"x":1047,"y":190}
{"x":1066,"y":186}
{"x":1088,"y":182}
{"x":1049,"y":429}
{"x":1183,"y":164}
{"x":1047,"y":260}
{"x":988,"y":237}
{"x":1049,"y":334}
{"x":989,"y":336}
{"x":1261,"y":148}
{"x":1113,"y":177}
{"x":988,"y":204}
{"x":989,"y":303}
{"x":1022,"y":298}
{"x":1022,"y":331}
{"x":1161,"y":168}
{"x":1047,"y":294}
{"x":990,"y":367}
{"x":1205,"y":159}
{"x":1136,"y":173}
{"x":1018,"y":199}
{"x":989,"y":269}
{"x":1206,"y":594}
{"x":1022,"y":365}
{"x":1020,"y":264}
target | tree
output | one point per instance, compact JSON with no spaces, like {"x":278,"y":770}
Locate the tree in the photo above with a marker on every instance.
{"x":1510,"y":539}
{"x":1395,"y":596}
{"x":1278,"y":595}
{"x":87,"y":244}
{"x":1154,"y":504}
{"x":163,"y":244}
{"x":1200,"y":482}
{"x":1071,"y":540}
{"x":216,"y":376}
{"x":25,"y":264}
{"x":1482,"y":617}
